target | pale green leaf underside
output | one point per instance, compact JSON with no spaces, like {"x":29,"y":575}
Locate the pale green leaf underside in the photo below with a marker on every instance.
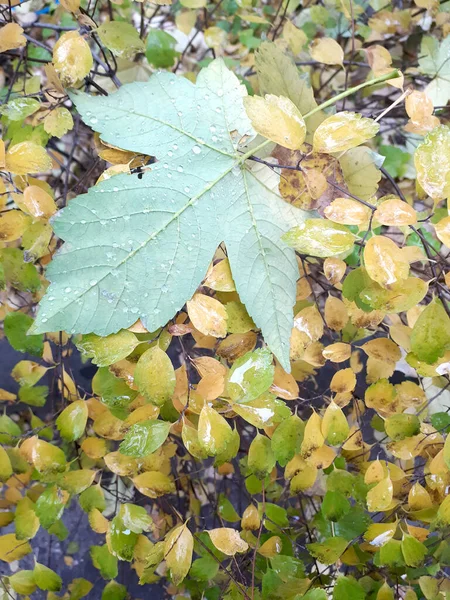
{"x":435,"y":62}
{"x":140,"y":247}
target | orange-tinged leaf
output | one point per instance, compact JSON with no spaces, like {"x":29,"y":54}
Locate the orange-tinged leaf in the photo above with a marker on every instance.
{"x":208,"y":315}
{"x":336,"y":314}
{"x":383,"y":349}
{"x":284,"y":384}
{"x":227,"y":540}
{"x":395,"y":213}
{"x":38,"y":203}
{"x":347,"y":212}
{"x":343,"y":381}
{"x":334,"y":269}
{"x":419,"y":108}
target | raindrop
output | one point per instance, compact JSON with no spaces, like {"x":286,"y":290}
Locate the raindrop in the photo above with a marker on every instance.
{"x":196,"y":150}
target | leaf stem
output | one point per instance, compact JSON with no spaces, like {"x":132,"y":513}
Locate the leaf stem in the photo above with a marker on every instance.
{"x":328,"y":103}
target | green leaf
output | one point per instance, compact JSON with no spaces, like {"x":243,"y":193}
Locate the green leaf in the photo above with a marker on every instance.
{"x":226,"y":510}
{"x":25,"y":519}
{"x":71,"y":423}
{"x":279,"y":75}
{"x":434,"y":62}
{"x":391,"y":554}
{"x":113,"y":391}
{"x":334,"y":506}
{"x":8,"y":430}
{"x":16,"y":325}
{"x":144,"y":438}
{"x":329,"y":551}
{"x":21,"y":275}
{"x":6,"y":469}
{"x":105,"y":351}
{"x":104,"y":561}
{"x":34,"y":395}
{"x":91,"y":498}
{"x":347,"y":588}
{"x":287,"y":439}
{"x":160,"y":51}
{"x":19,"y":108}
{"x":261,"y":459}
{"x":398,"y":427}
{"x":77,"y":481}
{"x":142,"y":252}
{"x":23,"y":582}
{"x":46,"y":579}
{"x":79,"y":588}
{"x":360,"y":170}
{"x":395,"y":160}
{"x":430,"y":337}
{"x":50,"y":506}
{"x":121,"y":38}
{"x":114,"y":591}
{"x":155,"y":376}
{"x":204,"y":569}
{"x":413,"y":551}
{"x":250,"y":376}
{"x":135,"y":518}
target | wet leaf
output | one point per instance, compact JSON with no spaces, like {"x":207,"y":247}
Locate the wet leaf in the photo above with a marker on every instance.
{"x":72,"y":58}
{"x":335,"y":427}
{"x":343,"y":131}
{"x":71,"y":423}
{"x":155,"y":376}
{"x":178,"y":548}
{"x":430,"y":336}
{"x":227,"y":541}
{"x":433,"y":174}
{"x":16,"y":326}
{"x":329,"y":551}
{"x":208,"y":315}
{"x":250,"y":376}
{"x":27,"y":157}
{"x":145,"y":438}
{"x":287,"y":439}
{"x":319,"y":237}
{"x":46,"y":579}
{"x":214,"y":433}
{"x":384,"y":261}
{"x":104,"y":351}
{"x":121,"y":38}
{"x":261,"y":459}
{"x":380,"y":496}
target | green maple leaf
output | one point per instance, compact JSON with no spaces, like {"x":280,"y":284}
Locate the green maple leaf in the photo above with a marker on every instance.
{"x":139,"y":247}
{"x":435,"y":61}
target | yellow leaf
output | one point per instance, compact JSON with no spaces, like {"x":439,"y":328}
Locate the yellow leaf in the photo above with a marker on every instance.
{"x":419,"y":108}
{"x":433,"y":173}
{"x":443,"y":231}
{"x":12,"y":549}
{"x":347,"y":212}
{"x":58,"y":122}
{"x":208,"y":315}
{"x":72,"y":58}
{"x":97,"y":521}
{"x":395,"y":213}
{"x":227,"y":540}
{"x":154,"y":484}
{"x":380,"y":62}
{"x":374,"y":473}
{"x":178,"y":549}
{"x":295,"y":38}
{"x":215,"y":37}
{"x":13,"y":223}
{"x":384,"y":261}
{"x":380,"y":496}
{"x":284,"y":384}
{"x":334,"y":269}
{"x":214,"y":433}
{"x":27,"y":157}
{"x":45,"y":457}
{"x":343,"y":381}
{"x":71,"y":5}
{"x":336,"y":314}
{"x":327,"y":51}
{"x":276,"y":118}
{"x":383,"y":349}
{"x":379,"y":534}
{"x":419,"y":498}
{"x":343,"y":131}
{"x":313,"y":437}
{"x":154,"y":376}
{"x":251,"y":519}
{"x":219,"y":278}
{"x":11,"y":37}
{"x":271,"y":547}
{"x":38,"y":203}
{"x":338,"y":352}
